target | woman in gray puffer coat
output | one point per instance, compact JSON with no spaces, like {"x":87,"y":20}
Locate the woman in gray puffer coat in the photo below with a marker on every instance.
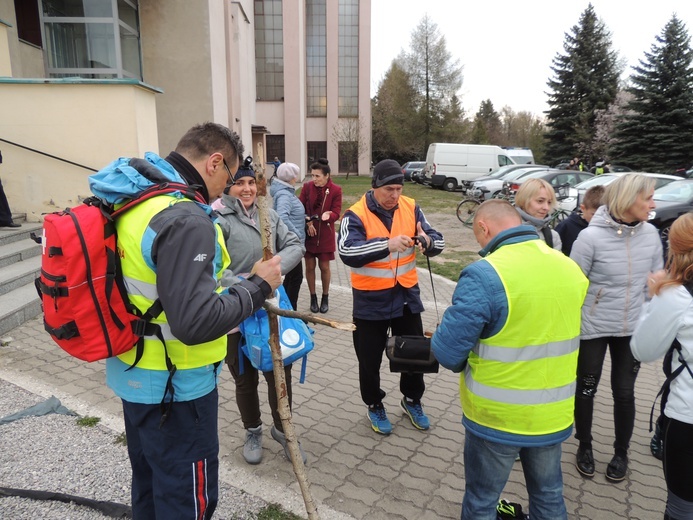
{"x":535,"y":201}
{"x":291,"y":211}
{"x":239,"y":221}
{"x":617,"y":252}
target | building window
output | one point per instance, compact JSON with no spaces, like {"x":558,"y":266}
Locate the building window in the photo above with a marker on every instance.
{"x":316,"y":150}
{"x":348,"y":58}
{"x":269,"y":50}
{"x":275,"y":147}
{"x":92,"y":38}
{"x":28,"y":21}
{"x":316,"y":58}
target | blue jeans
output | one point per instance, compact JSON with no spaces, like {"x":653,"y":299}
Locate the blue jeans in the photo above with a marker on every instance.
{"x":487,"y":467}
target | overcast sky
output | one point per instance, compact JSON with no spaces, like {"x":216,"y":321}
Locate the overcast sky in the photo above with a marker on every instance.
{"x":506,"y":46}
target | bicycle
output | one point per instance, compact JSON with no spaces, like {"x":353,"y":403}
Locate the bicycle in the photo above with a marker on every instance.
{"x":560,"y":214}
{"x":467,"y":206}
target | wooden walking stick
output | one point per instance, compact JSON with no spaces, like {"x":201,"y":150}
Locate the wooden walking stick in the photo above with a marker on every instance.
{"x":277,"y":361}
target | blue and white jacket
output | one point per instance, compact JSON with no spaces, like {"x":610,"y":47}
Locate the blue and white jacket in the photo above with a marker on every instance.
{"x":356,"y":251}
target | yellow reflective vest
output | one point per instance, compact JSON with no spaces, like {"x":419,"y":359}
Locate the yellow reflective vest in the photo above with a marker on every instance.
{"x":381,"y":274}
{"x":522,"y":379}
{"x":140,"y":282}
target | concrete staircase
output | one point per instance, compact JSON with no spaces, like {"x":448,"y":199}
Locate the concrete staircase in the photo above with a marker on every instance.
{"x":20,"y":264}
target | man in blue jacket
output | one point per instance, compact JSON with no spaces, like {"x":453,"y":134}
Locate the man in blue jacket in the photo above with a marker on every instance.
{"x":513,"y":332}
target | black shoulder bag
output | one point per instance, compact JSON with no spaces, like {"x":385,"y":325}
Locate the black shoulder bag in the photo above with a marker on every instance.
{"x":413,"y":353}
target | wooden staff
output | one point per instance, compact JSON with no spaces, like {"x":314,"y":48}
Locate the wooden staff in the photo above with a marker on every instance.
{"x":277,"y":361}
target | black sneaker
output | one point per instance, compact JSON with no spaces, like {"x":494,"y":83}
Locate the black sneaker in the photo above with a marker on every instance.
{"x":617,"y":468}
{"x":584,"y":461}
{"x":509,"y":511}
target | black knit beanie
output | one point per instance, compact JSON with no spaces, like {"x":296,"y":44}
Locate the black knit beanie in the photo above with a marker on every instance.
{"x":387,"y":171}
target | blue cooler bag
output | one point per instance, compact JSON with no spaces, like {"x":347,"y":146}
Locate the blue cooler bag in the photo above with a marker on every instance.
{"x":295,"y":338}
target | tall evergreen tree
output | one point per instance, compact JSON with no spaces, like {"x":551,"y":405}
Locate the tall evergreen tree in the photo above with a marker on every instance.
{"x":487,"y":128}
{"x":395,"y":119}
{"x":434,"y":75}
{"x":585,"y":79}
{"x":656,"y":131}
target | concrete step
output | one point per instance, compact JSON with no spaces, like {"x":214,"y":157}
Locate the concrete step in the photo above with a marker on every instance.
{"x":10,"y":235}
{"x":18,"y":251}
{"x":18,"y":306}
{"x":20,"y":273}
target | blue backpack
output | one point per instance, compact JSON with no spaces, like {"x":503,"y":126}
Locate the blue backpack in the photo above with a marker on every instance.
{"x":295,"y":338}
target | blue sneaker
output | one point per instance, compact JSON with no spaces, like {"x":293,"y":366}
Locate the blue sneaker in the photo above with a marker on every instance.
{"x":416,"y":414}
{"x":379,"y":421}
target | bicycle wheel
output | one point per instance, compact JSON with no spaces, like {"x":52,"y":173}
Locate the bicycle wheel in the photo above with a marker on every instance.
{"x":558,"y":216}
{"x":466,"y":210}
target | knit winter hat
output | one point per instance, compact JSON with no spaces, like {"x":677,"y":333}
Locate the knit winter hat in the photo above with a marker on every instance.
{"x":288,"y":171}
{"x":245,"y":169}
{"x":387,"y":171}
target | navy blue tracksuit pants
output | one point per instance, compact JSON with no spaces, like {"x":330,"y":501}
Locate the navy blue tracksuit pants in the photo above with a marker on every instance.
{"x":175,"y":467}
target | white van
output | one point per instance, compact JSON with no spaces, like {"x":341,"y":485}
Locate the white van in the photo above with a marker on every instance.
{"x":520,"y":155}
{"x":448,"y":164}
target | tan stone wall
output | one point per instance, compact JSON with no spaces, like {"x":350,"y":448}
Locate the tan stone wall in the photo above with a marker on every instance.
{"x":89,"y":124}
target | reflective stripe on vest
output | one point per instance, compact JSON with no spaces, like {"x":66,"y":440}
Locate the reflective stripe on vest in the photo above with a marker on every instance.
{"x":522,"y":380}
{"x":381,"y":274}
{"x":140,"y":282}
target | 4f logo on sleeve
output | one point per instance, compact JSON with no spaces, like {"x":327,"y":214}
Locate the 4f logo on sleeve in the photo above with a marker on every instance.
{"x":200,"y":257}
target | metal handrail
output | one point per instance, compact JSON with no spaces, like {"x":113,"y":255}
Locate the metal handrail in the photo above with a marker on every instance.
{"x":48,"y":155}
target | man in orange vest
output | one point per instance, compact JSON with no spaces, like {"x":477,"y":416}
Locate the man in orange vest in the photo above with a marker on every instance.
{"x":378,"y":239}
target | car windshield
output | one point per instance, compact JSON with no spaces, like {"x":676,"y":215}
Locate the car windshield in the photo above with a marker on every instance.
{"x":677,"y":191}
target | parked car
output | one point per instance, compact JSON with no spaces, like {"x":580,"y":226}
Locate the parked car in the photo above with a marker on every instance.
{"x":420,"y":177}
{"x":618,"y":168}
{"x":409,"y":167}
{"x":672,"y":201}
{"x":500,"y":172}
{"x":575,"y":194}
{"x":495,"y":184}
{"x":559,"y":179}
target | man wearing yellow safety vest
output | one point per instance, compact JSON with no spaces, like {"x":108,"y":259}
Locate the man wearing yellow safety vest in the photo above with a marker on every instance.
{"x":378,"y":238}
{"x":513,"y":332}
{"x":172,"y":253}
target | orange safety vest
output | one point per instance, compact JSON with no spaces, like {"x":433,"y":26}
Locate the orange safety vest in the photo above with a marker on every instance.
{"x":397,"y":267}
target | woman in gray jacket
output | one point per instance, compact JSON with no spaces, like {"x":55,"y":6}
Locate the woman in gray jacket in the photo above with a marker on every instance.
{"x":617,"y":252}
{"x":290,"y":209}
{"x":239,"y":220}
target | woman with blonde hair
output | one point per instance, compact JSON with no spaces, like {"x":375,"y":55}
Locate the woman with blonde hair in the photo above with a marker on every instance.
{"x":668,"y":317}
{"x":535,"y":201}
{"x":618,"y":252}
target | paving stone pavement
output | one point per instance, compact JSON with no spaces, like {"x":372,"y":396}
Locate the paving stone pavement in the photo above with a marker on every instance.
{"x":354,"y":472}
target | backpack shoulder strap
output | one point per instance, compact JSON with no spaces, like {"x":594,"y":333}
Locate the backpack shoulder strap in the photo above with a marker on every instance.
{"x":666,"y":367}
{"x":548,"y":236}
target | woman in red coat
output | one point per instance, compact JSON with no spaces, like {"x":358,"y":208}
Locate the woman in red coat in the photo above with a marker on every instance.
{"x":322,"y":200}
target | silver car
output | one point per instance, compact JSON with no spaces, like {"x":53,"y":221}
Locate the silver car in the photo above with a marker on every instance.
{"x":493,"y":185}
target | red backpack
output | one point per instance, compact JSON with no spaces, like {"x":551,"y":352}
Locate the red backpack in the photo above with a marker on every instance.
{"x":86,"y":307}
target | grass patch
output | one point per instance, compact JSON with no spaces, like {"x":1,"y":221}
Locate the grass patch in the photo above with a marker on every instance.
{"x":431,"y":200}
{"x":448,"y":264}
{"x":88,"y":422}
{"x":276,"y":512}
{"x":121,"y":439}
